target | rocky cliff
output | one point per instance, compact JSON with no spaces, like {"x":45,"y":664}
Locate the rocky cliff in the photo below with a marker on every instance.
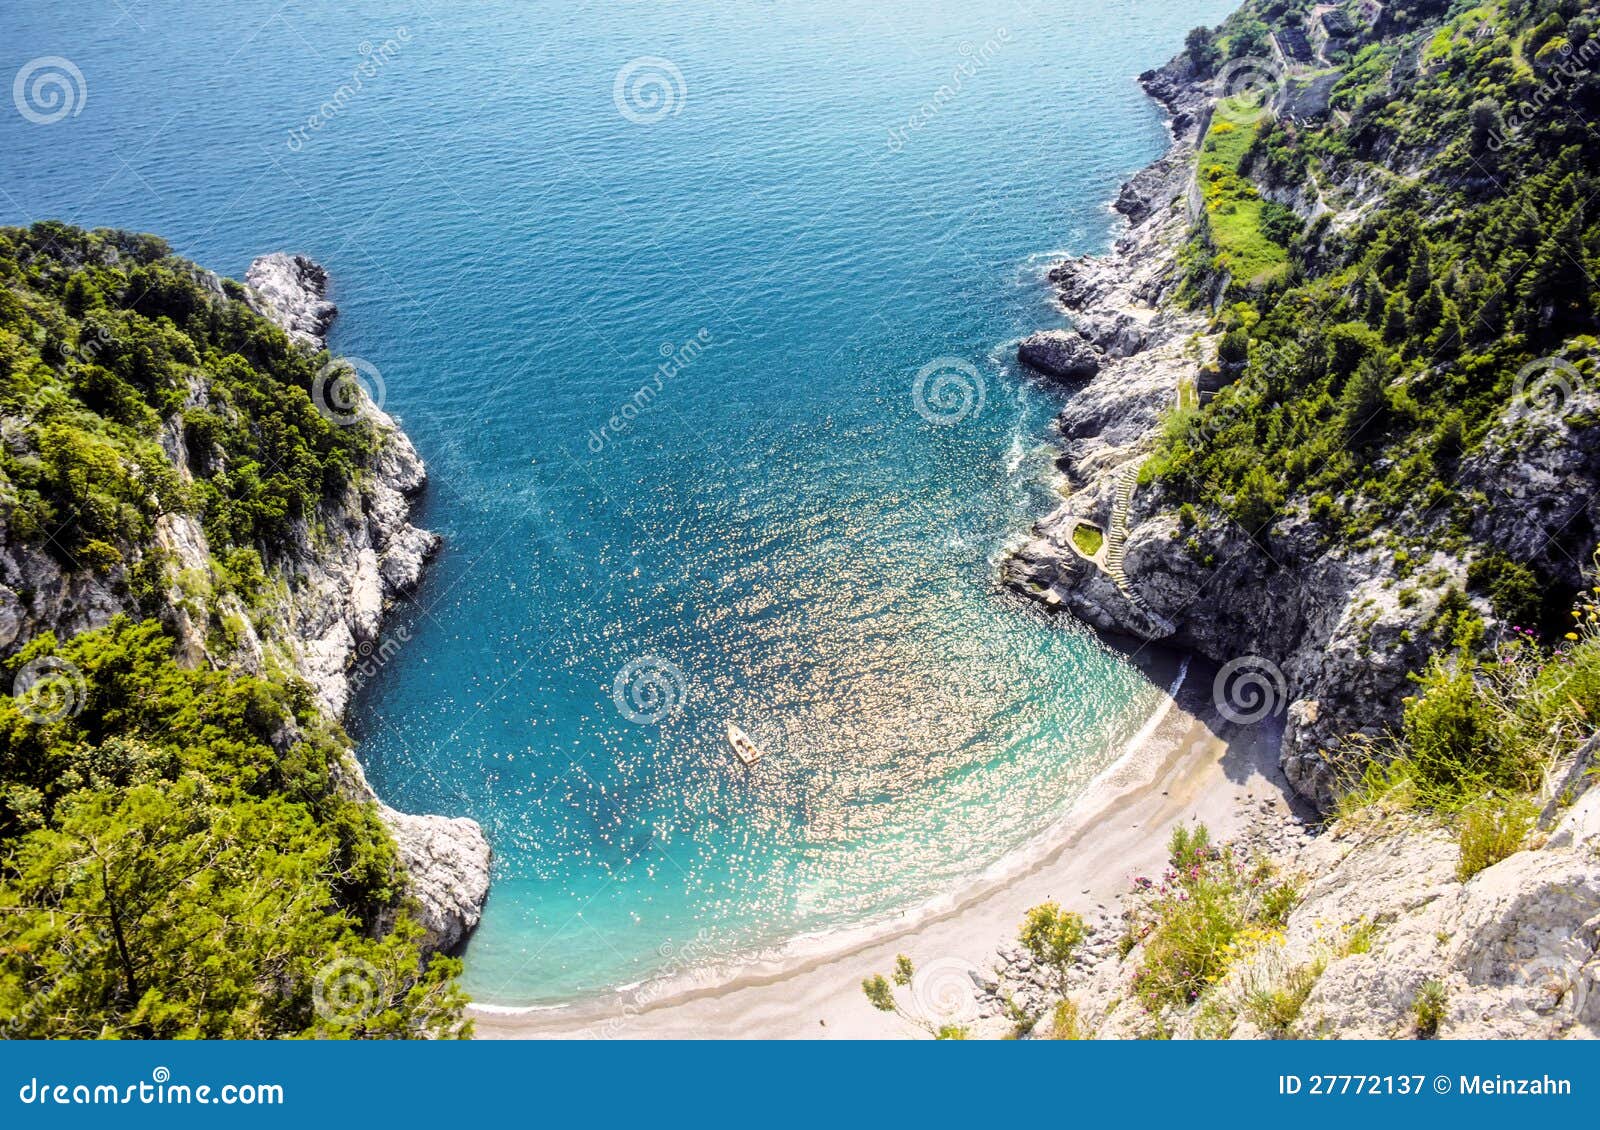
{"x":1325,"y":631}
{"x":1460,"y":522}
{"x":329,"y":579}
{"x":1387,"y":941}
{"x":340,"y":578}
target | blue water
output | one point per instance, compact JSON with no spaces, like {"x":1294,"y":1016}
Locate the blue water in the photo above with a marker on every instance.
{"x":780,"y":537}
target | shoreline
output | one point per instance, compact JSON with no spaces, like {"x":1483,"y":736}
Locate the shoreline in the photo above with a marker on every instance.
{"x":1180,"y":764}
{"x":1186,"y":763}
{"x":697,"y":966}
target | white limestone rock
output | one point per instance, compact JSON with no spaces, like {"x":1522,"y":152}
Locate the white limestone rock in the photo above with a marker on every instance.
{"x":343,"y":580}
{"x":292,"y":292}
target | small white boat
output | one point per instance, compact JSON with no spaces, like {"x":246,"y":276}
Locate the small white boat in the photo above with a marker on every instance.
{"x":743,"y":747}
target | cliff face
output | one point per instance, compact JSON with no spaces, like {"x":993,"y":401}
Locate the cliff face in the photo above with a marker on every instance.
{"x":1464,"y":507}
{"x":329,"y":578}
{"x":1324,"y":632}
{"x":363,"y":552}
{"x":339,"y":579}
{"x":1335,"y":642}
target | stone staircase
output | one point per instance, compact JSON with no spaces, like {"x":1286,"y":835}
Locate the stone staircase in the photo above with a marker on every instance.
{"x":1154,"y":625}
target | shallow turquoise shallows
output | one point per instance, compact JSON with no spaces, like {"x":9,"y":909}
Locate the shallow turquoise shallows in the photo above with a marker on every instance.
{"x":651,"y":286}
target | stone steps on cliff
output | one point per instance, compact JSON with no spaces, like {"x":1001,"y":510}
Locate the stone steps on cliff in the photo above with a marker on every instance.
{"x":1155,"y":626}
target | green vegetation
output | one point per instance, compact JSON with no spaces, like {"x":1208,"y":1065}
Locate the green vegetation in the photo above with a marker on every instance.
{"x":1274,"y":1006}
{"x":1380,"y":351}
{"x":1211,"y":906}
{"x":1475,"y":742}
{"x":1052,"y":936}
{"x":1359,"y":938}
{"x":1248,"y":233}
{"x":1430,"y":1008}
{"x":1493,"y":828}
{"x":1065,"y":1023}
{"x":176,"y":859}
{"x":1088,"y":539}
{"x":104,"y":336}
{"x":880,"y":993}
{"x":1487,"y":723}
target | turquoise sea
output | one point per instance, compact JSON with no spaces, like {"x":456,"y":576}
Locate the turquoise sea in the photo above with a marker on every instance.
{"x":702,"y":317}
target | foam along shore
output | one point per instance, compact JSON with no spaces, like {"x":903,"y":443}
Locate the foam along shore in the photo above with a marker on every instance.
{"x":1187,"y":764}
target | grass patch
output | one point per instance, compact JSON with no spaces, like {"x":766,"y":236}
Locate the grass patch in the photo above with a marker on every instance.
{"x":1066,"y":1023}
{"x":1088,"y":540}
{"x":1235,"y":212}
{"x":1476,"y":740}
{"x":1275,"y":1006}
{"x":1360,"y":937}
{"x":1491,"y":829}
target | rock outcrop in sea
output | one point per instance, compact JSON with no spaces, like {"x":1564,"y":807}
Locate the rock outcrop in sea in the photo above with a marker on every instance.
{"x":1065,"y":355}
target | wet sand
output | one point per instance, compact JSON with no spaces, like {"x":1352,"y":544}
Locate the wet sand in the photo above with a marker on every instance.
{"x":1188,"y":764}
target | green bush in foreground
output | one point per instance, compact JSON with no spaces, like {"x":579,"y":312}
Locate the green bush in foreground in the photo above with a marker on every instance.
{"x":1487,"y":723}
{"x":1274,"y":1007}
{"x":1052,"y":936}
{"x":1210,"y":904}
{"x":1065,"y":1023}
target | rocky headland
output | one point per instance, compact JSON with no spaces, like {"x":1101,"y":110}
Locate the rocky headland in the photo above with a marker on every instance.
{"x":1320,"y":638}
{"x":341,"y":579}
{"x":1324,"y":633}
{"x":331,"y":581}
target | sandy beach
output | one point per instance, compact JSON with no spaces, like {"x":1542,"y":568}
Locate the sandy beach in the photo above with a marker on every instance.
{"x":1188,"y":764}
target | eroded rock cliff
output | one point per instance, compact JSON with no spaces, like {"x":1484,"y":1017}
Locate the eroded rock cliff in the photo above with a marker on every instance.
{"x":340,"y":578}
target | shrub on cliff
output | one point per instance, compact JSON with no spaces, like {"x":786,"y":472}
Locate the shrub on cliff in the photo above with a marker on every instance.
{"x":1210,"y":905}
{"x":1483,"y":729}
